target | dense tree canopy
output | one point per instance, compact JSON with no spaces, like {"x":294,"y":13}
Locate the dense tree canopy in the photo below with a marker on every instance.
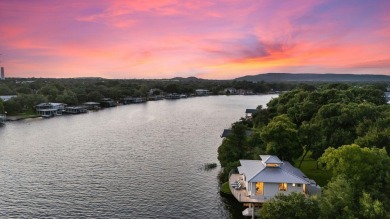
{"x":295,"y":205}
{"x":79,"y":90}
{"x":346,"y":128}
{"x":280,"y":136}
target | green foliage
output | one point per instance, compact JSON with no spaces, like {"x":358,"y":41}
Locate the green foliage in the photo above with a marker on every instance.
{"x":67,"y":97}
{"x":280,"y":136}
{"x":77,"y":91}
{"x":5,"y":90}
{"x":292,"y":206}
{"x":363,"y":176}
{"x":12,"y":107}
{"x":370,"y":208}
{"x":225,"y":189}
{"x":337,"y":199}
{"x":1,"y":107}
{"x":306,"y":122}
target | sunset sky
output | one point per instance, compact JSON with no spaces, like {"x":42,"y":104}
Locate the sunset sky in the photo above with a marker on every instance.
{"x":215,"y":39}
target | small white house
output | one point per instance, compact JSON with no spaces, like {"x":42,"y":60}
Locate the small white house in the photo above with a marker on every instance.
{"x":258,"y":181}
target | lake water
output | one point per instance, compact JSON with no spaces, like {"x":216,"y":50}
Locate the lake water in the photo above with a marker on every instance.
{"x":133,"y":161}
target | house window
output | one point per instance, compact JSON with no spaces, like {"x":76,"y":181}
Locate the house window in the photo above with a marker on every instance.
{"x":297,"y":185}
{"x":259,"y":188}
{"x":282,"y":186}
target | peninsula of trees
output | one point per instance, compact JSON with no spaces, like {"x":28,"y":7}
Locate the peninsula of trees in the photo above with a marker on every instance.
{"x":344,"y":129}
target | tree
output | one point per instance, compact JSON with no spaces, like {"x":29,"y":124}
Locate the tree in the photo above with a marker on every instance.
{"x":1,"y":106}
{"x":95,"y":96}
{"x":68,"y":97}
{"x":5,"y":90}
{"x":233,"y":148}
{"x":50,"y":91}
{"x":294,"y":205}
{"x":12,"y":107}
{"x":370,"y":208}
{"x":308,"y":135}
{"x":367,"y":169}
{"x":280,"y":138}
{"x":337,"y":200}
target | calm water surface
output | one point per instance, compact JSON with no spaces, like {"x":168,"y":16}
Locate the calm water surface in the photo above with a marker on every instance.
{"x":134,"y":161}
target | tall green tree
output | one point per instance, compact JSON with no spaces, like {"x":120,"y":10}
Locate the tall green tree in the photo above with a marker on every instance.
{"x":337,"y":200}
{"x":281,"y":139}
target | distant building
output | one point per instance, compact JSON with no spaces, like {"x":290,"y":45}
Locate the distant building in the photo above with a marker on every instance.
{"x":2,"y":73}
{"x":50,"y":109}
{"x":7,"y":97}
{"x":202,"y":92}
{"x":230,"y":90}
{"x":387,"y":95}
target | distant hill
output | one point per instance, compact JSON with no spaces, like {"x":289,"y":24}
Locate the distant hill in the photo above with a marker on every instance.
{"x":187,"y":79}
{"x":287,"y":77}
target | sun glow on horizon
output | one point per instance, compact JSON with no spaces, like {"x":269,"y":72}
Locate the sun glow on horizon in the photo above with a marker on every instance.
{"x":170,"y":38}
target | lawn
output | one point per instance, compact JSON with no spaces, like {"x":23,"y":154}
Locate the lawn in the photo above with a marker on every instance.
{"x":225,"y":188}
{"x":309,"y":167}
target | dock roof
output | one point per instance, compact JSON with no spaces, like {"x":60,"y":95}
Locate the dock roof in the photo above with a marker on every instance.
{"x":251,"y":111}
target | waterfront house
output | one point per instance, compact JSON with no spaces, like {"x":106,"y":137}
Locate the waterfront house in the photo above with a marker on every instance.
{"x":107,"y":102}
{"x":258,"y":181}
{"x":172,"y":96}
{"x":75,"y":109}
{"x":202,"y":92}
{"x":91,"y":105}
{"x":249,"y":113}
{"x":50,"y":109}
{"x":129,"y":100}
{"x":230,"y":90}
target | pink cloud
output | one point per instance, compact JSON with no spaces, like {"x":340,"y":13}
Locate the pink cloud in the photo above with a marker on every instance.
{"x":213,"y":39}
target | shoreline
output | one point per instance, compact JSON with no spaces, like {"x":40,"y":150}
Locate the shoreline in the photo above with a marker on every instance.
{"x":19,"y":118}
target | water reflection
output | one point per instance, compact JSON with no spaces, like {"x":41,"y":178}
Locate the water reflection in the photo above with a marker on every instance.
{"x":134,"y":161}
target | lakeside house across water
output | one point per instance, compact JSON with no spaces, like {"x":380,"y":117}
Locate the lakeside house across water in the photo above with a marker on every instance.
{"x":92,"y":105}
{"x":75,"y":109}
{"x":202,"y":92}
{"x":50,"y":109}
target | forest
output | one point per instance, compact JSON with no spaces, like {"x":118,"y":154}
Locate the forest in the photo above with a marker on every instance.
{"x":74,"y":91}
{"x":343,"y":128}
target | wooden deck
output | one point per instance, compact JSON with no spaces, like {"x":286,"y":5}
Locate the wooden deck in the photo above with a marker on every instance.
{"x":241,"y":194}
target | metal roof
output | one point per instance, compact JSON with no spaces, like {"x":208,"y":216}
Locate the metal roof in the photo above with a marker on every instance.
{"x":277,"y":175}
{"x":270,"y":159}
{"x":51,"y":104}
{"x":250,"y":168}
{"x":251,"y":111}
{"x":257,"y":171}
{"x":225,"y":133}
